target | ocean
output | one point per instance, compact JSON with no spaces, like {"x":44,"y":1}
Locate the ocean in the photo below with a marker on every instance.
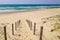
{"x":25,"y":7}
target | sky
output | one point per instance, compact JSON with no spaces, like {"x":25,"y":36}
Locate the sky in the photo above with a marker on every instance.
{"x":29,"y":1}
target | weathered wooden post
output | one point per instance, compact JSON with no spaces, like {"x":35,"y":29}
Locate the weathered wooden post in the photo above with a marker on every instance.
{"x":19,"y":22}
{"x":30,"y":25}
{"x":34,"y":28}
{"x":41,"y":32}
{"x":15,"y":26}
{"x":5,"y":33}
{"x":12,"y":29}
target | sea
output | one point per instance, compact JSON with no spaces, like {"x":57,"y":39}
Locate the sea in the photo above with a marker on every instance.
{"x":25,"y":7}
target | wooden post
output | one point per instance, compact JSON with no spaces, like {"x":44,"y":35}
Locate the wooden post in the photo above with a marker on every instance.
{"x":28,"y":22}
{"x":15,"y":26}
{"x":41,"y":33}
{"x":34,"y":28}
{"x":19,"y":22}
{"x":31,"y":25}
{"x":12,"y":29}
{"x":5,"y":33}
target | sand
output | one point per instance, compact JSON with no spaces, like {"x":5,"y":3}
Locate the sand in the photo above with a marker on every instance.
{"x":35,"y":17}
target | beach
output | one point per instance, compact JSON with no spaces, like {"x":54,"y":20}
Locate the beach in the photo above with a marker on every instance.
{"x":23,"y":29}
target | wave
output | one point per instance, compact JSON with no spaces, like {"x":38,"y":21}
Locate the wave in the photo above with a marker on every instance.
{"x":23,"y":8}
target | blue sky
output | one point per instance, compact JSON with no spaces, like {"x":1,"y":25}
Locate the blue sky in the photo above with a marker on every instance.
{"x":29,"y":1}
